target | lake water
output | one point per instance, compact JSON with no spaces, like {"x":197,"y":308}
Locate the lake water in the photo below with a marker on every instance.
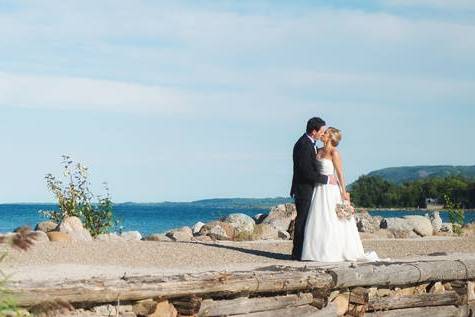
{"x":156,"y":218}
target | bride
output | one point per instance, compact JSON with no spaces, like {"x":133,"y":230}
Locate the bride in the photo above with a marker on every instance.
{"x":327,"y":237}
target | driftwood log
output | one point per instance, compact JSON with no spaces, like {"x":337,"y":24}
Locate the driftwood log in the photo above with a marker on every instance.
{"x":439,"y":311}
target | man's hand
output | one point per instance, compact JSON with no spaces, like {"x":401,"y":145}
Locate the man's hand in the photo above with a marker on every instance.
{"x":332,"y":180}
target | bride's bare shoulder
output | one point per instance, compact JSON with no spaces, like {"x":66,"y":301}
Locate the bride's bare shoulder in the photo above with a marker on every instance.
{"x":336,"y":154}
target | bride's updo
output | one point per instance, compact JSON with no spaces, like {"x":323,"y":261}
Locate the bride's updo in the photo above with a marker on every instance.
{"x":334,"y":136}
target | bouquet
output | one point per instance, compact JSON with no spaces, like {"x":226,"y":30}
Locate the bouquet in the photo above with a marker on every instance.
{"x":345,"y":210}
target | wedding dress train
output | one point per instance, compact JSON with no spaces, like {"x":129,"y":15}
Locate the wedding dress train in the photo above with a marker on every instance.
{"x":327,"y":237}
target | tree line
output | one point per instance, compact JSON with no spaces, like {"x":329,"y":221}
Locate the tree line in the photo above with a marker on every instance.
{"x":376,"y":192}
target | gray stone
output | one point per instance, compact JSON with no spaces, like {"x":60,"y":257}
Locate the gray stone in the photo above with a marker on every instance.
{"x":420,"y":225}
{"x":73,"y":227}
{"x":131,"y":236}
{"x":395,"y":223}
{"x":265,"y":231}
{"x":46,"y":226}
{"x":158,"y":237}
{"x":218,"y":230}
{"x":436,"y":221}
{"x":39,"y":236}
{"x":197,"y":227}
{"x":446,"y":227}
{"x":181,"y":234}
{"x":259,"y":218}
{"x":242,"y":223}
{"x":284,"y":235}
{"x":281,"y":216}
{"x":367,"y":223}
{"x":23,"y":229}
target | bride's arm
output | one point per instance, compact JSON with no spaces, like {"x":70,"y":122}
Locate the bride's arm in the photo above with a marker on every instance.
{"x":336,"y":158}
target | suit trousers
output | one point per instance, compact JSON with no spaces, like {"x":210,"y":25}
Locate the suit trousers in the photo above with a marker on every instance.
{"x":302,"y":206}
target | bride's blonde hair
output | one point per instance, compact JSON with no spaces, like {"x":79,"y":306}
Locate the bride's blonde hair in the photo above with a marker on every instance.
{"x":335,"y":136}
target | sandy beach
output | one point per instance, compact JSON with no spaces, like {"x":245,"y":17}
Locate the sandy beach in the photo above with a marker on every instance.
{"x":78,"y":260}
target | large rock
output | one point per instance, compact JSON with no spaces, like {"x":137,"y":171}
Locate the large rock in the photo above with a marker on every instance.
{"x":164,"y":309}
{"x":395,"y":223}
{"x":367,"y":223}
{"x":46,"y":226}
{"x":281,"y":216}
{"x":197,"y":227}
{"x":180,"y":234}
{"x":131,"y":236}
{"x":435,"y":220}
{"x":420,"y":225}
{"x":242,"y":223}
{"x":446,"y":227}
{"x":23,"y":229}
{"x":158,"y":237}
{"x":58,"y":236}
{"x":259,"y":218}
{"x":73,"y":227}
{"x":218,"y":230}
{"x":38,"y":236}
{"x":265,"y":231}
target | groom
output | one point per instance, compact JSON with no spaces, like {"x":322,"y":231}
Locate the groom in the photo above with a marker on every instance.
{"x":306,"y":176}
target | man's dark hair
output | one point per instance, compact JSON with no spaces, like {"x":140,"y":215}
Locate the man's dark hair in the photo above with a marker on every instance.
{"x":315,"y":124}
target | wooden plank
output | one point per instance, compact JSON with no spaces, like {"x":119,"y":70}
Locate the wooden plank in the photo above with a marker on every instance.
{"x":380,"y":273}
{"x":138,"y":288}
{"x":247,"y":305}
{"x":439,"y":311}
{"x":421,"y":300}
{"x":301,"y":311}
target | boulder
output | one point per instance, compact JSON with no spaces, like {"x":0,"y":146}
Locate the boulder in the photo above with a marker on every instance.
{"x":435,"y":220}
{"x":341,"y":301}
{"x":281,"y":216}
{"x":58,"y":236}
{"x":265,"y":231}
{"x":218,"y":230}
{"x":197,"y":227}
{"x":259,"y":218}
{"x":420,"y":225}
{"x":202,"y":239}
{"x":46,"y":226}
{"x":446,"y":227}
{"x":109,"y":237}
{"x":180,"y":234}
{"x":242,"y":223}
{"x":144,"y":307}
{"x":73,"y":227}
{"x":23,"y":229}
{"x":38,"y":236}
{"x":157,"y":237}
{"x":284,"y":235}
{"x":395,"y":223}
{"x":403,"y":234}
{"x":164,"y":309}
{"x":131,"y":236}
{"x":367,"y":223}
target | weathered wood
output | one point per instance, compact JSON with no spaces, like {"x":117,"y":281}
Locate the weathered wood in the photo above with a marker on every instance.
{"x":375,"y":274}
{"x":137,"y":288}
{"x":471,"y":290}
{"x":421,"y":300}
{"x":187,"y":306}
{"x":438,"y":311}
{"x":249,"y":305}
{"x":301,"y":311}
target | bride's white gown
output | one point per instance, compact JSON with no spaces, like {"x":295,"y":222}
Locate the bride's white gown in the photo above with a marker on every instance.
{"x":328,"y":238}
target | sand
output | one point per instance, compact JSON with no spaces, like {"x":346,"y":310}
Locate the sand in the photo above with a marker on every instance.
{"x":78,"y":260}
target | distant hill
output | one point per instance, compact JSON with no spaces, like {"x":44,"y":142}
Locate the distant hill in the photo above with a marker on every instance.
{"x":230,"y":203}
{"x":400,"y":175}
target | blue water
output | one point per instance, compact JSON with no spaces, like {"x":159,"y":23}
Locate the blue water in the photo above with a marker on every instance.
{"x":149,"y":219}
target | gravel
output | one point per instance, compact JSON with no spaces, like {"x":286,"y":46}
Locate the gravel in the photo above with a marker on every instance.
{"x":60,"y":260}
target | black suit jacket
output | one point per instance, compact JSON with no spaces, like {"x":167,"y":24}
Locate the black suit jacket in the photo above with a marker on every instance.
{"x":306,"y":173}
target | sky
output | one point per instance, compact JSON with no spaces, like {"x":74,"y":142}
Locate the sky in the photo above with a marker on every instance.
{"x":186,"y":100}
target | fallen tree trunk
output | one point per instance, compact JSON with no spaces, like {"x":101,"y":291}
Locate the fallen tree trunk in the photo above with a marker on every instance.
{"x":246,"y":305}
{"x":438,"y":311}
{"x":377,"y":274}
{"x":137,"y":288}
{"x":421,"y":300}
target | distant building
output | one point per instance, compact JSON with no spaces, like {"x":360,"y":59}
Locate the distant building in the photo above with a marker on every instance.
{"x":434,"y":204}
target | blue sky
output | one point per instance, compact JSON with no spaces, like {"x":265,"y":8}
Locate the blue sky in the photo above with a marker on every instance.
{"x":183,"y":100}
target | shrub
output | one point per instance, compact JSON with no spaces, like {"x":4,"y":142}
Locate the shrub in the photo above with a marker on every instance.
{"x":456,"y":215}
{"x":76,"y":199}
